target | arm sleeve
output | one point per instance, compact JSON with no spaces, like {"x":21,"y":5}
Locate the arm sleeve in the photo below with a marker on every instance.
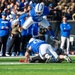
{"x":46,"y":10}
{"x":23,"y":16}
{"x":61,"y":27}
{"x":68,"y":28}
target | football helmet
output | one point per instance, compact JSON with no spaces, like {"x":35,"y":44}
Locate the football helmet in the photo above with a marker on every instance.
{"x":31,"y":40}
{"x":39,"y":8}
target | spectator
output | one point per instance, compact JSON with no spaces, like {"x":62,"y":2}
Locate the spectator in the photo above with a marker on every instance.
{"x":21,"y":4}
{"x":73,"y":16}
{"x":0,"y":12}
{"x":13,"y":13}
{"x":58,"y":18}
{"x":68,"y":14}
{"x":24,"y":33}
{"x":65,"y":34}
{"x":51,"y":13}
{"x":14,"y":45}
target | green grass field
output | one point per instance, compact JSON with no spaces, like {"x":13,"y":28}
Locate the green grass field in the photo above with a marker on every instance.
{"x":11,"y":66}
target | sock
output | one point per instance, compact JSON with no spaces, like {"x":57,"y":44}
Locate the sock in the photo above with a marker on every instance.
{"x":65,"y":57}
{"x":47,"y":56}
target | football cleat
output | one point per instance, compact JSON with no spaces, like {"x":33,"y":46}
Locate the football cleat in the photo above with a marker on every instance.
{"x":7,"y":55}
{"x":68,"y":59}
{"x":48,"y":60}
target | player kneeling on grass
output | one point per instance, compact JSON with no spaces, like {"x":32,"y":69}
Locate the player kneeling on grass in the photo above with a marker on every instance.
{"x":45,"y":51}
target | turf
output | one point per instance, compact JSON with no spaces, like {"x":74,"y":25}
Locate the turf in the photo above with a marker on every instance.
{"x":14,"y":68}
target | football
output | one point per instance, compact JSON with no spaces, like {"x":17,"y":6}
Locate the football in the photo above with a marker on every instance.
{"x":21,"y":60}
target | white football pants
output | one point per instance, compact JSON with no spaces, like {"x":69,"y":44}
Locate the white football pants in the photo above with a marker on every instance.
{"x":47,"y":49}
{"x":63,"y":40}
{"x":30,"y":21}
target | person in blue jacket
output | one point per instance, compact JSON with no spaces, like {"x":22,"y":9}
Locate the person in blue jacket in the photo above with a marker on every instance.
{"x":65,"y":29}
{"x":5,"y":27}
{"x":25,"y":34}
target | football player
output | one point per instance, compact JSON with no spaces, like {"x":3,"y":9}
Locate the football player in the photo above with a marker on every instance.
{"x":38,"y":15}
{"x":45,"y":51}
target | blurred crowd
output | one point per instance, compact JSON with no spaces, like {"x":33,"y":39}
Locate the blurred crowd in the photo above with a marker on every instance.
{"x":17,"y":39}
{"x":66,"y":6}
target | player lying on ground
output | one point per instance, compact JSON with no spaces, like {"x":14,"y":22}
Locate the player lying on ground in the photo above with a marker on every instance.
{"x":45,"y":51}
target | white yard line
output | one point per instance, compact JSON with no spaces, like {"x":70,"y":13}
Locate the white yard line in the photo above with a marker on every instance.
{"x":10,"y":63}
{"x":13,"y":57}
{"x":15,"y":63}
{"x":33,"y":69}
